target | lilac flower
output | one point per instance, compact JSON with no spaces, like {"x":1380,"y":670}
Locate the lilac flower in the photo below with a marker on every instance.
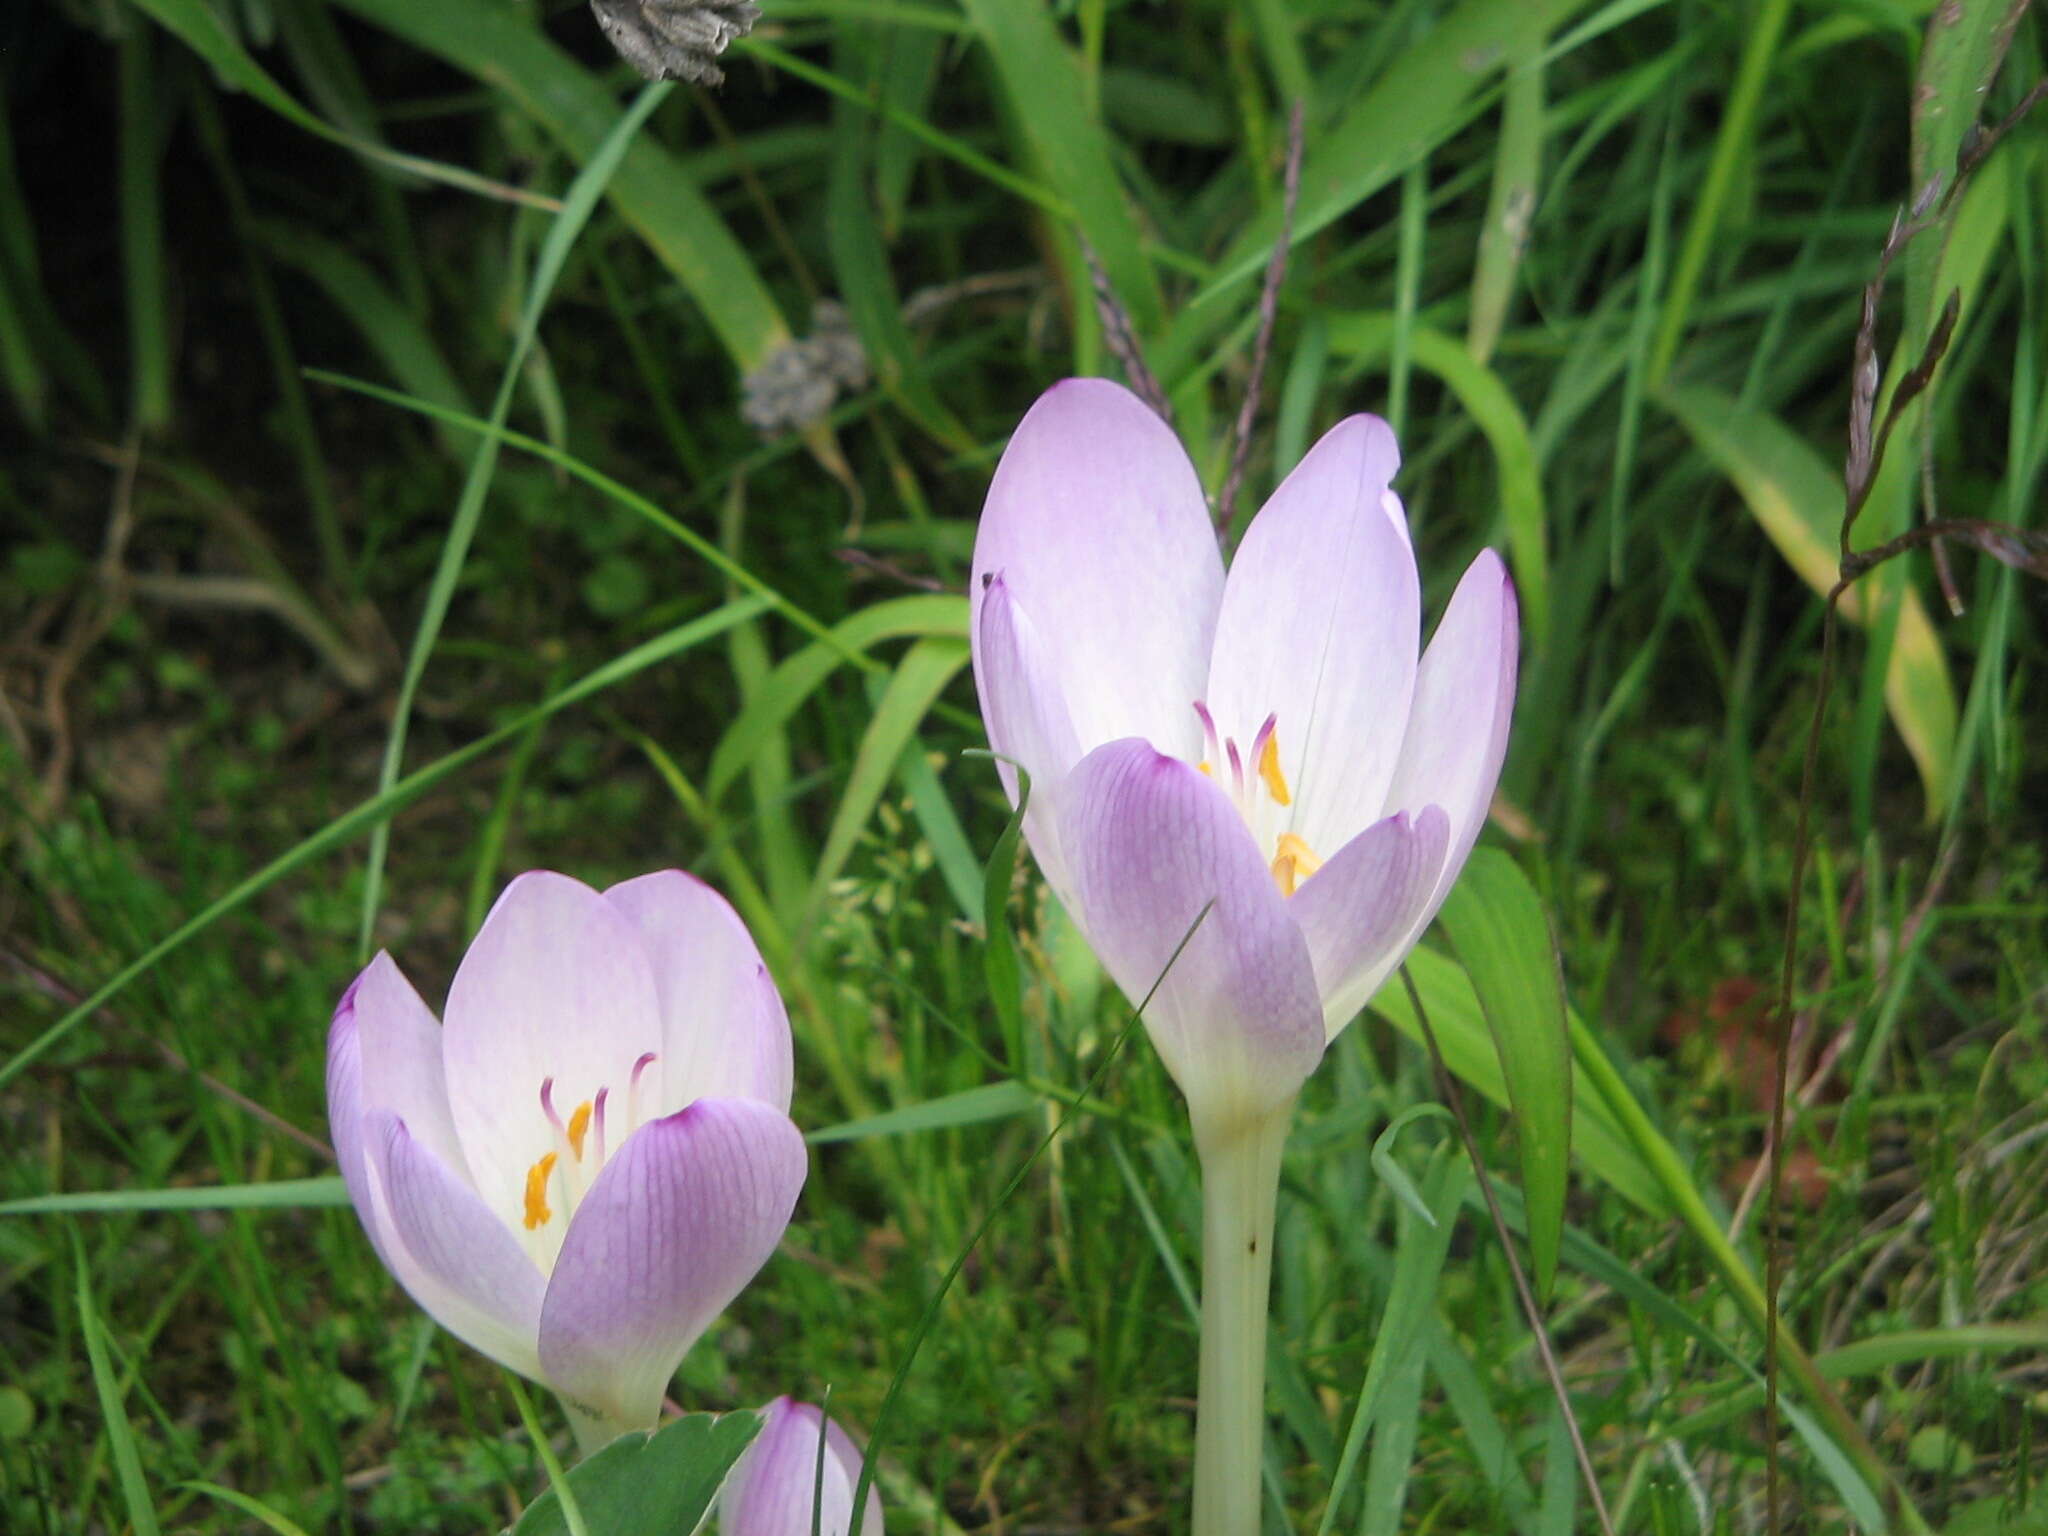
{"x":1264,"y":747}
{"x":1267,"y":740}
{"x":770,"y":1492}
{"x":581,"y":1168}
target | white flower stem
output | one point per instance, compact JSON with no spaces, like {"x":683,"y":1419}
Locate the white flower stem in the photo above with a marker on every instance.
{"x":1240,"y":1186}
{"x":593,"y":1431}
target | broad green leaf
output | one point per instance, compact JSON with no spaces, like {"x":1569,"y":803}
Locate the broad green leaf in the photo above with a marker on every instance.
{"x":1797,"y":499}
{"x":784,"y":690}
{"x":916,"y":683}
{"x":1598,"y":1139}
{"x":1510,"y":209}
{"x":1042,"y":82}
{"x":658,"y":1484}
{"x":1497,"y":924}
{"x":1960,"y":56}
{"x":501,"y":46}
{"x":276,"y":1194}
{"x":970,"y":1106}
{"x":1369,"y":337}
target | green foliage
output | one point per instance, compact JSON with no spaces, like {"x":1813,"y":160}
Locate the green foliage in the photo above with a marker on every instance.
{"x":1608,"y":258}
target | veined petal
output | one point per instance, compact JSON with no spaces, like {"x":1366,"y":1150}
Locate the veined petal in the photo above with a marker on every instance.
{"x":345,"y":1124}
{"x":1025,"y":710}
{"x":725,"y":1033}
{"x":401,"y":1058}
{"x":1458,"y":728}
{"x":1320,"y":624}
{"x":556,"y":984}
{"x":673,"y":1228}
{"x":448,"y":1250}
{"x":1152,"y":843}
{"x":769,"y":1492}
{"x":1359,"y":911}
{"x":1096,"y":523}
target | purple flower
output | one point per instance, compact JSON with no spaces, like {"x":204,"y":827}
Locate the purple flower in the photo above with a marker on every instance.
{"x":770,"y":1492}
{"x":588,"y":1161}
{"x":1268,"y":741}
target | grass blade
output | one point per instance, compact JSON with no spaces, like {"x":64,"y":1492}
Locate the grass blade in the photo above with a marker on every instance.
{"x":113,"y":1411}
{"x":554,"y":252}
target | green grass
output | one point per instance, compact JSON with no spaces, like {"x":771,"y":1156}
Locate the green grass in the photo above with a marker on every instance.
{"x":633,"y":645}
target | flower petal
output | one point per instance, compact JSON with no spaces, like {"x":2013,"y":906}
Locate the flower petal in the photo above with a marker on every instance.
{"x":1097,"y":525}
{"x":556,"y":984}
{"x":1358,"y":912}
{"x":345,"y":1124}
{"x":1458,"y":729}
{"x":449,"y":1251}
{"x":769,"y":1492}
{"x":1320,"y":624}
{"x":1026,"y":715}
{"x":677,"y":1223}
{"x":401,"y":1058}
{"x":1152,"y":843}
{"x":725,"y":1033}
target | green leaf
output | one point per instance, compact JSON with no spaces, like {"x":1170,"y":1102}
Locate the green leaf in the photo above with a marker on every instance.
{"x":658,"y":1484}
{"x":918,"y":680}
{"x":276,"y":1194}
{"x":500,"y":46}
{"x":1797,"y":499}
{"x":784,"y":690}
{"x":1598,"y":1139}
{"x":999,"y":951}
{"x":1497,"y":924}
{"x":1042,"y":81}
{"x":970,"y":1106}
{"x":1370,"y":337}
{"x":113,"y":1411}
{"x":1420,"y":99}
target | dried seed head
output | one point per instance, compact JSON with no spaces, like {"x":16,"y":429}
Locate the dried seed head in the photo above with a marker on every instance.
{"x":800,"y":380}
{"x":675,"y":39}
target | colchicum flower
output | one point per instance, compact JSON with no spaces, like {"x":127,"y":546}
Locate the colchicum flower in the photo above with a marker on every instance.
{"x":769,"y":1492}
{"x":1268,"y":741}
{"x":584,"y":1165}
{"x":1264,"y":748}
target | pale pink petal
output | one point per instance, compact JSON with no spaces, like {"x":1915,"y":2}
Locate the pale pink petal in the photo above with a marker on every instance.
{"x":1320,"y":624}
{"x":345,"y":1123}
{"x":1027,"y":720}
{"x":454,"y":1257}
{"x":725,"y":1033}
{"x":556,"y":986}
{"x":1097,"y":526}
{"x":671,"y":1231}
{"x":1458,"y":729}
{"x":401,"y":1056}
{"x":1359,"y":910}
{"x":770,"y":1492}
{"x":1152,"y":843}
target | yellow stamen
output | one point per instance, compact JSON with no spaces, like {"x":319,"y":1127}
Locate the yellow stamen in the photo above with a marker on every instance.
{"x":1269,"y":770}
{"x":1204,"y":769}
{"x":1294,"y":863}
{"x":579,"y":1125}
{"x":537,"y":1212}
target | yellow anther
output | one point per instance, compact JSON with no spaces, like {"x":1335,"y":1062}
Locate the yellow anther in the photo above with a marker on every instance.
{"x":1269,"y":770}
{"x":537,"y":1212}
{"x":1294,"y":863}
{"x":579,"y":1126}
{"x":1204,"y":769}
